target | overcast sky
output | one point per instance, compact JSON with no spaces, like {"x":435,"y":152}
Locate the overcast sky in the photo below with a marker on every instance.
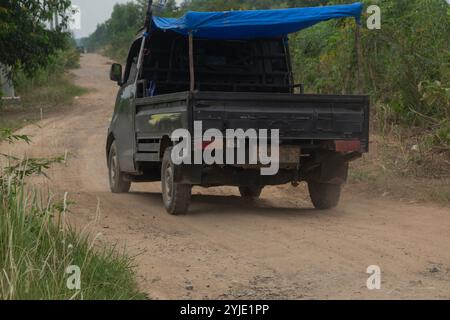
{"x":94,"y":12}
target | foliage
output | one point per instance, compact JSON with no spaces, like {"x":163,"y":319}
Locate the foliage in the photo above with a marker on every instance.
{"x":25,"y":40}
{"x":216,"y":5}
{"x":8,"y":136}
{"x":116,"y":34}
{"x":405,"y":64}
{"x":50,"y":85}
{"x":33,"y":41}
{"x":37,"y":245}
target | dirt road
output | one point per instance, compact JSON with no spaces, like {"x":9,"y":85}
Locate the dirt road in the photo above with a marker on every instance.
{"x":277,"y":247}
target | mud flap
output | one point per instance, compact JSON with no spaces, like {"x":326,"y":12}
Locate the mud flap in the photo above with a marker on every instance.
{"x":333,"y":169}
{"x":188,"y":174}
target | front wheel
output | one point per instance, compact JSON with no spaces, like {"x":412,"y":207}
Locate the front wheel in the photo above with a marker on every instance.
{"x":117,"y":181}
{"x":176,"y":197}
{"x":324,"y":195}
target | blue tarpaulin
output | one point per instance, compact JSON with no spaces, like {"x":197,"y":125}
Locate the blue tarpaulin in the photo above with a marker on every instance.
{"x":256,"y":23}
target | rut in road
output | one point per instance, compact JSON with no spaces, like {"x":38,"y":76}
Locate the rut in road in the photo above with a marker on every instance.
{"x":277,"y":247}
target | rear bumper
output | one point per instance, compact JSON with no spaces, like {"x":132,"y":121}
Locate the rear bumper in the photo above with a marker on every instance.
{"x":332,"y":169}
{"x":210,"y":176}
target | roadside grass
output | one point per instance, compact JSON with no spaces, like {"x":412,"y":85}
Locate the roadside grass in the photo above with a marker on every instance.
{"x":414,"y":190}
{"x":37,"y":245}
{"x":6,"y":122}
{"x":48,"y":94}
{"x":48,"y":89}
{"x":401,"y":166}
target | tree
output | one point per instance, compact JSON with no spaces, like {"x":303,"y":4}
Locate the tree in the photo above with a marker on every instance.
{"x":218,"y":5}
{"x":170,"y":8}
{"x":25,"y":38}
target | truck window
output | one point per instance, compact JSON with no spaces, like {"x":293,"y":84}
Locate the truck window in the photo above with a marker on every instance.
{"x":133,"y":70}
{"x":132,"y":61}
{"x":220,"y":65}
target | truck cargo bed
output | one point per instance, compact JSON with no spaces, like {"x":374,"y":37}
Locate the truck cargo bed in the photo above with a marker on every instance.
{"x":297,"y":116}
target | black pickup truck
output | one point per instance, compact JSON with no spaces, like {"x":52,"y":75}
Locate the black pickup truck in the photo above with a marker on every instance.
{"x":227,"y":84}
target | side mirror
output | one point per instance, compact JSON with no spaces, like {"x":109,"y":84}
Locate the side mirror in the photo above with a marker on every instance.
{"x":116,"y":73}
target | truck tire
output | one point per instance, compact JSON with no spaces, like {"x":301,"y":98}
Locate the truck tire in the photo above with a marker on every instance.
{"x":176,"y":197}
{"x":324,"y":196}
{"x":253,"y":192}
{"x":117,"y":181}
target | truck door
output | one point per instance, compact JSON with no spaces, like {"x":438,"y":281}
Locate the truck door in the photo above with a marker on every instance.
{"x":123,"y":122}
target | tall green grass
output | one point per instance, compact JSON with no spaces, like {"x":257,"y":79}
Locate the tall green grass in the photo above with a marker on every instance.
{"x":47,"y":89}
{"x":37,"y":244}
{"x":52,"y":85}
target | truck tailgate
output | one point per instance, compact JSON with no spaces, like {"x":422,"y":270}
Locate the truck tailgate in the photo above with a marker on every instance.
{"x":298,"y":117}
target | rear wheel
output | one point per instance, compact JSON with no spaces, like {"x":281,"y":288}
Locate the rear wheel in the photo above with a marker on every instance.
{"x":117,"y":181}
{"x":324,"y":195}
{"x":253,"y":192}
{"x":176,"y":197}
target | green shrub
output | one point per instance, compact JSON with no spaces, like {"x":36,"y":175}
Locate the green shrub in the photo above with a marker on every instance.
{"x":405,"y":64}
{"x":51,"y":85}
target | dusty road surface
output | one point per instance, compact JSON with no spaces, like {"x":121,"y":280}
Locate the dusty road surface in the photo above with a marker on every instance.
{"x":277,"y":247}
